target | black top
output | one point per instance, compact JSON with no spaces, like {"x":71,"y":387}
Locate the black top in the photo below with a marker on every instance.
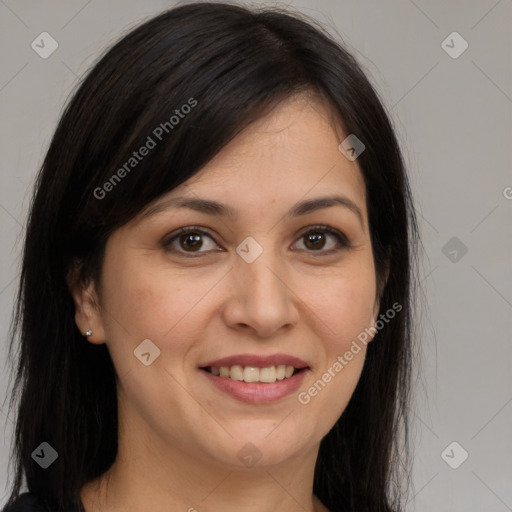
{"x":28,"y":502}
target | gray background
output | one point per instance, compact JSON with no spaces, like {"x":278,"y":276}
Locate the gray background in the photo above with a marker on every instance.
{"x":454,"y":121}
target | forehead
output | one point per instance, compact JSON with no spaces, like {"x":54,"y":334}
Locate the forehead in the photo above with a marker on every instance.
{"x":290,"y":153}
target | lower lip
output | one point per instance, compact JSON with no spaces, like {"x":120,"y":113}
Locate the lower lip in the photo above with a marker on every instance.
{"x":256,"y":392}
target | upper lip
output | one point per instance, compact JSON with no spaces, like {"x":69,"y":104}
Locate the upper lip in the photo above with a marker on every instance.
{"x":258,"y":361}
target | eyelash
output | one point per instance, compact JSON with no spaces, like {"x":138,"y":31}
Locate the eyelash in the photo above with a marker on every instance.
{"x":340,"y":237}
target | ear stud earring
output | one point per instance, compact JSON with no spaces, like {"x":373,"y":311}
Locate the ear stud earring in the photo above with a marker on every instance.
{"x":88,"y":333}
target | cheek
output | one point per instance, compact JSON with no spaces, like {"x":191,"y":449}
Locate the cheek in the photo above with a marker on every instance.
{"x":343,"y":306}
{"x":143,"y":301}
{"x":135,"y":302}
{"x":342,"y":311}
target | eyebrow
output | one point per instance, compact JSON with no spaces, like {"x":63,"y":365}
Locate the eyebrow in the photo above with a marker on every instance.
{"x":210,"y":207}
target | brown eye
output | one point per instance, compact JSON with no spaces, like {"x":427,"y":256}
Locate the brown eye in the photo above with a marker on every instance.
{"x":317,"y":240}
{"x":190,"y":240}
{"x":314,"y":240}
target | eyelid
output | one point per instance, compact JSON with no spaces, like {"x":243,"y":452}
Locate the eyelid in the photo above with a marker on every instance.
{"x":328,"y":229}
{"x":341,"y":238}
{"x":168,"y":239}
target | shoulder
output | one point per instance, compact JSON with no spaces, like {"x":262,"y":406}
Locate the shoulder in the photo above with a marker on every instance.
{"x":25,"y":502}
{"x":28,"y":502}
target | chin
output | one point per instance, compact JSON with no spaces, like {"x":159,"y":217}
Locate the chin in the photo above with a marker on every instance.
{"x":253,"y":451}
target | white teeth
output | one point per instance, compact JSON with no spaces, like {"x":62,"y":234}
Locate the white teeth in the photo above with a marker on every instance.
{"x":236,"y":372}
{"x":269,"y":374}
{"x":251,"y":374}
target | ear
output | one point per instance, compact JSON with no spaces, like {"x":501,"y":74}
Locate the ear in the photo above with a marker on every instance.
{"x":87,"y":309}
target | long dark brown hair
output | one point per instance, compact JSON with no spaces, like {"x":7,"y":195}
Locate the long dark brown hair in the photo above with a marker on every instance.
{"x":237,"y":64}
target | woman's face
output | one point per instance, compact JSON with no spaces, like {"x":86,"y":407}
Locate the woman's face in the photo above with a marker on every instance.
{"x":255,"y":278}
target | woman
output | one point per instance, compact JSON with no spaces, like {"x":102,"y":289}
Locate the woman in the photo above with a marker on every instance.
{"x":215,"y":301}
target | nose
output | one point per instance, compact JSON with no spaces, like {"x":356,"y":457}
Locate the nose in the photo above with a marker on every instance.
{"x":262,"y":299}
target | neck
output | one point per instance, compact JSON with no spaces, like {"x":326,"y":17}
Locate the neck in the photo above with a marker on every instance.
{"x":163,"y":476}
{"x":191,"y":486}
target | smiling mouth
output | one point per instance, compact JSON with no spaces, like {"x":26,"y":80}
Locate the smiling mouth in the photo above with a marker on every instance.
{"x":253,"y":374}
